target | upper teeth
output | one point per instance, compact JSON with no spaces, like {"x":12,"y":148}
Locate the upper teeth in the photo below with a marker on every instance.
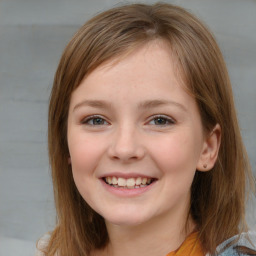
{"x":130,"y":182}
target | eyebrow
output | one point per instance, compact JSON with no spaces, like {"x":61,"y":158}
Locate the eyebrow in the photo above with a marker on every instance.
{"x":143,"y":105}
{"x":93,"y":103}
{"x":159,"y":103}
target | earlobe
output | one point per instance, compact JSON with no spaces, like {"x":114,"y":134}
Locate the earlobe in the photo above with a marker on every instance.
{"x":210,"y":149}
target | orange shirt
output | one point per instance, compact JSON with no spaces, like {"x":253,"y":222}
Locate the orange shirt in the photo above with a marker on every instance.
{"x":190,"y":247}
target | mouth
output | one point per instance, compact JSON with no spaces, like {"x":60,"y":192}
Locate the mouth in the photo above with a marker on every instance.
{"x":130,"y":183}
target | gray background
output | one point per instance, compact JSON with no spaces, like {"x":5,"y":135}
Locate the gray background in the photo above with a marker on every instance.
{"x":33,"y":34}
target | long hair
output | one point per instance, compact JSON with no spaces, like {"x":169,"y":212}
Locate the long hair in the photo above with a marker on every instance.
{"x":218,"y":196}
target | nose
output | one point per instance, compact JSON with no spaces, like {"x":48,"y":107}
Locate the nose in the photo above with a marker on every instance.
{"x":126,"y":145}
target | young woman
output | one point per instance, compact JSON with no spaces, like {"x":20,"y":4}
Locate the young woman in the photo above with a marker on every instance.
{"x":144,"y":143}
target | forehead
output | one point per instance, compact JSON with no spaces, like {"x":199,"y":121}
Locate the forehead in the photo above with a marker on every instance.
{"x":148,"y":73}
{"x":145,"y":49}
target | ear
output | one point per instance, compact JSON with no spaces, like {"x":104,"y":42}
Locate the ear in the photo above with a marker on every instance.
{"x":210,"y":149}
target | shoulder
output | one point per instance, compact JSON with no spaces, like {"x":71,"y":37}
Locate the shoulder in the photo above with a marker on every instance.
{"x":230,"y":246}
{"x":42,"y":244}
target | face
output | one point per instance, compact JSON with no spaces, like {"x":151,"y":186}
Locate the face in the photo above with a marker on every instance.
{"x":135,"y":138}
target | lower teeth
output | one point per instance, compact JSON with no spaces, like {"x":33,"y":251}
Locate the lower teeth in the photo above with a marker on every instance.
{"x":130,"y":187}
{"x":139,"y":186}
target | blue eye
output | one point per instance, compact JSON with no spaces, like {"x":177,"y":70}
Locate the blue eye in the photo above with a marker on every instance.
{"x":161,"y":121}
{"x":95,"y":120}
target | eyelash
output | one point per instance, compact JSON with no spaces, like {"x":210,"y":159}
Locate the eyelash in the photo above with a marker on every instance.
{"x":168,"y":120}
{"x":91,"y":118}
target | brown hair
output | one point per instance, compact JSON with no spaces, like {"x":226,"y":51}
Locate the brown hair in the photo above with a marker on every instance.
{"x":217,"y":196}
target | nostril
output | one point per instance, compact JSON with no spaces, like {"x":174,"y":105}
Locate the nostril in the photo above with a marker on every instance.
{"x":126,"y":147}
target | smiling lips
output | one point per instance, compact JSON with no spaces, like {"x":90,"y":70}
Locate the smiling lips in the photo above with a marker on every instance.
{"x":130,"y":183}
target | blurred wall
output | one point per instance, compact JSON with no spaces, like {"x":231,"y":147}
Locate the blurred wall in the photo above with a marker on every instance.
{"x":33,"y":34}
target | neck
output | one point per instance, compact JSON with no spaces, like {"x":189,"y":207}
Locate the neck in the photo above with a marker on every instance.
{"x":159,"y":237}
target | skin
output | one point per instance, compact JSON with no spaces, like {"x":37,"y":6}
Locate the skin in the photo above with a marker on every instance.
{"x":132,"y":117}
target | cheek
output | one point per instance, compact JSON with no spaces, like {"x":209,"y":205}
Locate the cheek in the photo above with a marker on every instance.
{"x":176,"y":153}
{"x":84,"y":152}
{"x":85,"y":155}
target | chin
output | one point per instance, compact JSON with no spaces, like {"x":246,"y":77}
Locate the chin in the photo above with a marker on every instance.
{"x":125,"y":219}
{"x":125,"y":222}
